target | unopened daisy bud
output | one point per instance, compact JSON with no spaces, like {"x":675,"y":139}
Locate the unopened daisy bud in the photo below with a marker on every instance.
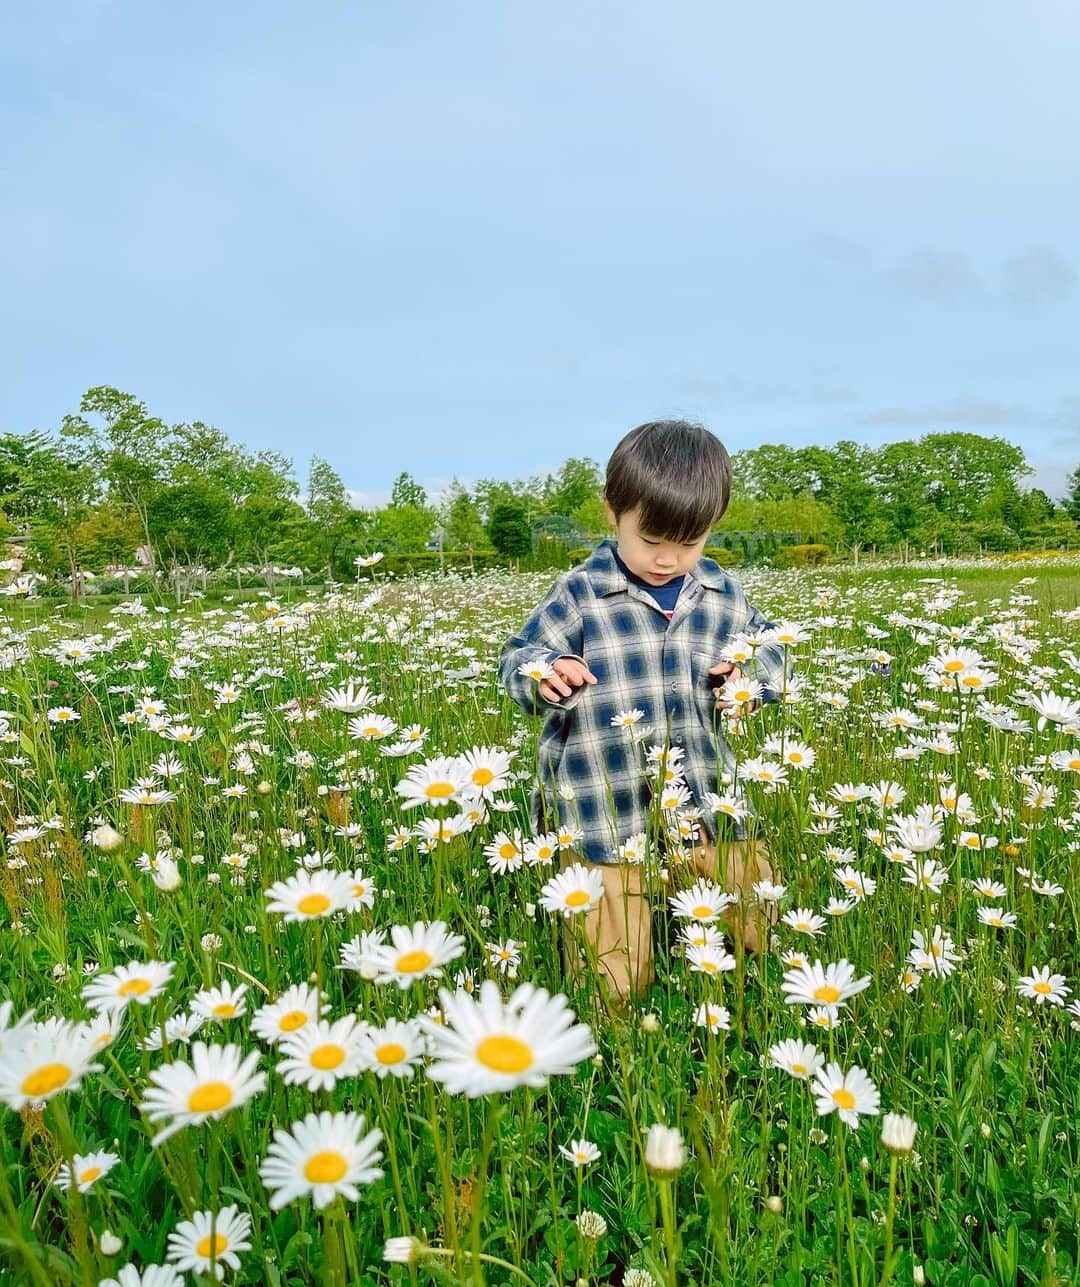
{"x":109,"y":1243}
{"x":166,"y":875}
{"x":591,"y":1225}
{"x":664,"y":1152}
{"x":403,"y":1251}
{"x":106,"y":838}
{"x":918,"y":1275}
{"x":984,"y":1130}
{"x":774,"y":1203}
{"x":864,"y":1163}
{"x":650,"y":1022}
{"x":898,"y":1133}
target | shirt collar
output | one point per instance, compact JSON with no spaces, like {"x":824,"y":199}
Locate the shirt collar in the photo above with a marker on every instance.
{"x":606,"y":577}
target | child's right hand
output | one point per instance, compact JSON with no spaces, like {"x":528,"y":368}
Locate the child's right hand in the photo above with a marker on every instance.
{"x":570,"y":674}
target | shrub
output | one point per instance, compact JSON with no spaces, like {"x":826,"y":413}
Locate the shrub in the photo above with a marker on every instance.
{"x":801,"y":556}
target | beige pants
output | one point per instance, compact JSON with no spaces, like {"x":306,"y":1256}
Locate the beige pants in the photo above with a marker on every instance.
{"x":619,"y":927}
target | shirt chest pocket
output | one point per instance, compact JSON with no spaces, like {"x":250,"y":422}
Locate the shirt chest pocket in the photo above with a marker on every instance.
{"x":702,"y":684}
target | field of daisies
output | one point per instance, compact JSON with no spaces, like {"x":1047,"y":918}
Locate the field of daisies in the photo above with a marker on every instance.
{"x":281,"y":996}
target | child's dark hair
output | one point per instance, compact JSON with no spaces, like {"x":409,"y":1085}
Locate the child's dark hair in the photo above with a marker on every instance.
{"x":678,"y":472}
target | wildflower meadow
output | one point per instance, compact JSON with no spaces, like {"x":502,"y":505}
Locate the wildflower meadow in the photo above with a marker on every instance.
{"x":283,"y":1000}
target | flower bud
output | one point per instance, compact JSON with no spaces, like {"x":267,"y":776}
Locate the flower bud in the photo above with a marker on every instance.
{"x":109,"y":1243}
{"x":664,"y":1152}
{"x":263,"y":788}
{"x":898,"y":1133}
{"x":402,"y":1251}
{"x":774,"y":1203}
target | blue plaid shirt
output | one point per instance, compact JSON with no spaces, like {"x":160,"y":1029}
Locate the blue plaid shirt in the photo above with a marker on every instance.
{"x":590,"y":773}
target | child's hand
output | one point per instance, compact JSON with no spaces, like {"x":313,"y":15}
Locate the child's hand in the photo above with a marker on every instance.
{"x":570,"y":674}
{"x":729,"y":672}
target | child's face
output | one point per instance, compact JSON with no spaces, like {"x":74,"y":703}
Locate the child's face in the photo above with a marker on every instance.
{"x":651,"y":557}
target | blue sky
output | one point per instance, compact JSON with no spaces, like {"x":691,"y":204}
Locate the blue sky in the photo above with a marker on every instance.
{"x":476,"y":238}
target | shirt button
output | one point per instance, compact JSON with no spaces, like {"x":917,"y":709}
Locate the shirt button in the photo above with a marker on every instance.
{"x":674,"y":688}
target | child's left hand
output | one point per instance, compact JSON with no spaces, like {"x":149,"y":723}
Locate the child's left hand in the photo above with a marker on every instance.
{"x":729,"y":671}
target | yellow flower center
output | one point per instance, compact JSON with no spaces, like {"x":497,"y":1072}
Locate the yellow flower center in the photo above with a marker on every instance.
{"x":483,"y":777}
{"x":709,"y":967}
{"x":844,"y":1098}
{"x":800,"y":1069}
{"x":209,"y":1097}
{"x":44,"y":1080}
{"x":1042,"y":987}
{"x":328,"y":1056}
{"x":224,"y":1011}
{"x":953,"y":666}
{"x":702,"y":910}
{"x":211,"y":1248}
{"x":90,"y":1175}
{"x":507,"y":850}
{"x":391,"y":1053}
{"x":293,"y":1020}
{"x":414,"y":962}
{"x":827,"y":995}
{"x":577,"y":898}
{"x":440,"y":790}
{"x":504,"y":1054}
{"x":313,"y":904}
{"x":325,"y":1168}
{"x":134,"y":988}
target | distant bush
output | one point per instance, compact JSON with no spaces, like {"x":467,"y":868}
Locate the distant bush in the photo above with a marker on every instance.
{"x":722,"y":555}
{"x":801,"y":556}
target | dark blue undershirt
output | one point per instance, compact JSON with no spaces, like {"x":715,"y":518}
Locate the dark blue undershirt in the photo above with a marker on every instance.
{"x":666,"y":596}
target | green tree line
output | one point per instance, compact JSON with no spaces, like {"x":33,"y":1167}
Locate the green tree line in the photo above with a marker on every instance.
{"x":113,"y":486}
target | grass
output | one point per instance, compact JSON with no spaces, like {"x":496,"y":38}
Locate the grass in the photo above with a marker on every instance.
{"x":770,"y":1191}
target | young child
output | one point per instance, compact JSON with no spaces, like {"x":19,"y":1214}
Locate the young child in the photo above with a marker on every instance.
{"x":633,"y":636}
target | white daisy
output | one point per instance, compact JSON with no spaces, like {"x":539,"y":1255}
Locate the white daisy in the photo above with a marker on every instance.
{"x":220,"y":1003}
{"x":87,"y":1168}
{"x":309,"y":895}
{"x":704,"y":901}
{"x":576,"y":889}
{"x":848,"y":1094}
{"x":42,"y":1062}
{"x":298,"y":1005}
{"x":797,"y":1058}
{"x":218,"y":1079}
{"x":394,"y":1049}
{"x":830,"y":985}
{"x":137,"y":982}
{"x":210,"y":1240}
{"x":416,"y":953}
{"x":324,"y":1155}
{"x":488,"y":1045}
{"x":320,"y":1053}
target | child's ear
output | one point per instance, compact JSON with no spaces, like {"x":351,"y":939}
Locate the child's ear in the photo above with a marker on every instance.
{"x":609,"y":512}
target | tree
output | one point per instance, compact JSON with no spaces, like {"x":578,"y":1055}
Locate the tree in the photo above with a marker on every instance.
{"x":578,"y":481}
{"x":64,"y":487}
{"x":407,"y":491}
{"x":962,"y":469}
{"x":191,"y":524}
{"x":460,"y":516}
{"x":19,"y":470}
{"x":1072,"y":499}
{"x":328,"y":507}
{"x":128,"y":449}
{"x":509,"y":531}
{"x":407,"y":528}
